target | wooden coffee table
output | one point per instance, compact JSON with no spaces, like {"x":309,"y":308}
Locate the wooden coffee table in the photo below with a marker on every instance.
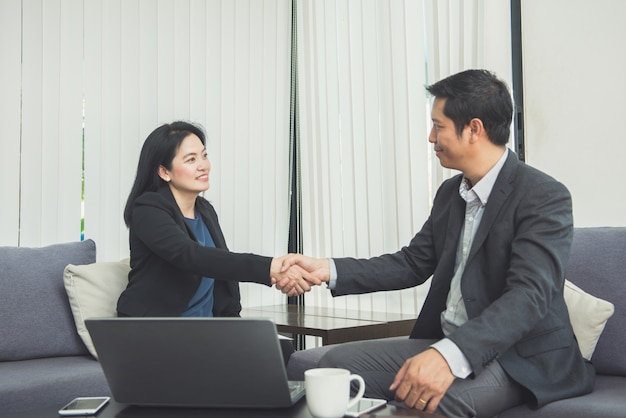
{"x":334,"y":325}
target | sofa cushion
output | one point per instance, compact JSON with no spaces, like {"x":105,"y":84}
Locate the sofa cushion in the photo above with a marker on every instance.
{"x":607,"y":401}
{"x":93,"y":290}
{"x":597,"y":264}
{"x":49,"y":383}
{"x":36,"y":317}
{"x":588,"y":315}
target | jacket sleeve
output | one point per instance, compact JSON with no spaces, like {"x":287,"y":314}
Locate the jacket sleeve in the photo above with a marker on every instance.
{"x":410,"y":266}
{"x":160,"y":226}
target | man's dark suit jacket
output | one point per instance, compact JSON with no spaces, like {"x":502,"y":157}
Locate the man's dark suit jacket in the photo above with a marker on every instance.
{"x":512,"y":284}
{"x":166,"y":261}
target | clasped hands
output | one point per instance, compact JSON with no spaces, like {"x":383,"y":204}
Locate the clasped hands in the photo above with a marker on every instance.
{"x":294,"y":274}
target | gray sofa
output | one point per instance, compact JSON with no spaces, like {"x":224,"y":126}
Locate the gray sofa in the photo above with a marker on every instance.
{"x":46,"y":354}
{"x":43,"y":361}
{"x":597,"y":265}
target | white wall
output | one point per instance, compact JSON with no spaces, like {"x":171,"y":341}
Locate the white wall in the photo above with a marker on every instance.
{"x":574,"y":95}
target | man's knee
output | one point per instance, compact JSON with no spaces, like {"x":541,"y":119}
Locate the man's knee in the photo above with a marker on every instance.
{"x":333,"y":358}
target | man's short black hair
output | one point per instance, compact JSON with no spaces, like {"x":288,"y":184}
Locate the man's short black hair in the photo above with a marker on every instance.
{"x":477,"y":94}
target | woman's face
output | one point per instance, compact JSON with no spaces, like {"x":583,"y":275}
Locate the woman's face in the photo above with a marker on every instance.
{"x":190,"y":168}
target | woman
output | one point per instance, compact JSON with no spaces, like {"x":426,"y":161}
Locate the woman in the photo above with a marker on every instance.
{"x":180,"y":265}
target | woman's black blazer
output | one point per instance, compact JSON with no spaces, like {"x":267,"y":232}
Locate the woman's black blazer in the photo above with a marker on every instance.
{"x":167,"y":263}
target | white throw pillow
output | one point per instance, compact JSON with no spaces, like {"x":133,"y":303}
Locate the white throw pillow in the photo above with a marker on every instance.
{"x":588,"y":315}
{"x":93,"y":290}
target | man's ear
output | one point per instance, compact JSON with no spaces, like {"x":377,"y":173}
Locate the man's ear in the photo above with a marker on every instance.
{"x":477,"y":129}
{"x":164,"y":174}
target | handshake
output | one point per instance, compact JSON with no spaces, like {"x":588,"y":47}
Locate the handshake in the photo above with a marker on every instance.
{"x":294,"y":274}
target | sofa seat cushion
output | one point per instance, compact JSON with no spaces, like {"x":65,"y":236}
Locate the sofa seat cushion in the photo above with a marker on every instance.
{"x":35,"y":311}
{"x":607,"y":401}
{"x":52,"y":382}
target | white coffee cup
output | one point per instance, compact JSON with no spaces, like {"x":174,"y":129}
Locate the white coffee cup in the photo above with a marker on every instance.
{"x":328,"y":391}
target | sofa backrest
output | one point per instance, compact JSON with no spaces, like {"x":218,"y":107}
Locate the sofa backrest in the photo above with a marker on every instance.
{"x":35,"y":316}
{"x":597,"y":265}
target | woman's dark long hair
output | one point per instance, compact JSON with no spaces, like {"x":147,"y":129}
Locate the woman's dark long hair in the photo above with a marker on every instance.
{"x":159,"y":149}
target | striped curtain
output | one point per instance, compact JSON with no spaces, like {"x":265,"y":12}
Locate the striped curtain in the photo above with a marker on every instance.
{"x":114,"y":70}
{"x":41,"y":109}
{"x":368,"y":171}
{"x":86,"y":81}
{"x":10,"y":120}
{"x":363,"y":122}
{"x":220,"y":63}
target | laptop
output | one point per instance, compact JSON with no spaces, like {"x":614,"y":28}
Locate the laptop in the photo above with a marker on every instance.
{"x":193,"y":362}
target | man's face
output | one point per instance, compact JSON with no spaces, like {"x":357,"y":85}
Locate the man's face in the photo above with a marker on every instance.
{"x":450,"y":148}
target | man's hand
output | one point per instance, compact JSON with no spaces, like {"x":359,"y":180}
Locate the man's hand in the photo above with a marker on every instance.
{"x":290,"y":278}
{"x":317,"y":270}
{"x":423,"y":380}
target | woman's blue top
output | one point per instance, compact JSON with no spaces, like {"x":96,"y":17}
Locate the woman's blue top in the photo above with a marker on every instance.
{"x":201,"y":304}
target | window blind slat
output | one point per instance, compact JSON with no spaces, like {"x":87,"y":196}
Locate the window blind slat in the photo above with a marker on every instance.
{"x":10,"y":82}
{"x":31,"y":222}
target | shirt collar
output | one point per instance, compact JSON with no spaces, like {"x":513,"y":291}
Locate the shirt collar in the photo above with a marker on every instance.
{"x":483,"y":188}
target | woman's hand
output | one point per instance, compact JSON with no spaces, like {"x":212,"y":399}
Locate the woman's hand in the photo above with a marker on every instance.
{"x":291,"y":278}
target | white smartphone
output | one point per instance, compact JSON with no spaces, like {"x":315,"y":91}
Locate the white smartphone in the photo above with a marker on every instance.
{"x":364,"y":405}
{"x":84,"y":405}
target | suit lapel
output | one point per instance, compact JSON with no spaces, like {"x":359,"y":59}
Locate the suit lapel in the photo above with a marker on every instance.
{"x":455,"y":222}
{"x":499,"y":194}
{"x":456,"y":218}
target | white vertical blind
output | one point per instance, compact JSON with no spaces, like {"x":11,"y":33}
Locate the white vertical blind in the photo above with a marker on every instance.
{"x":51,"y":132}
{"x":363,"y":132}
{"x":10,"y":110}
{"x":120,"y":68}
{"x":368,"y":170}
{"x":455,"y":42}
{"x":466,"y":34}
{"x":219,"y":63}
{"x":249,"y":131}
{"x":106,"y":180}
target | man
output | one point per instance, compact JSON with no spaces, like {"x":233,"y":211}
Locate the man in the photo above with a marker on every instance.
{"x":494,"y":331}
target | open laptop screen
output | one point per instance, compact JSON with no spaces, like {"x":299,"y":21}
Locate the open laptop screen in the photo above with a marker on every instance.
{"x":194,"y":362}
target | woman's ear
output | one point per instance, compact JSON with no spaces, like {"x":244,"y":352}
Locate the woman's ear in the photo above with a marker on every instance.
{"x":164,"y":174}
